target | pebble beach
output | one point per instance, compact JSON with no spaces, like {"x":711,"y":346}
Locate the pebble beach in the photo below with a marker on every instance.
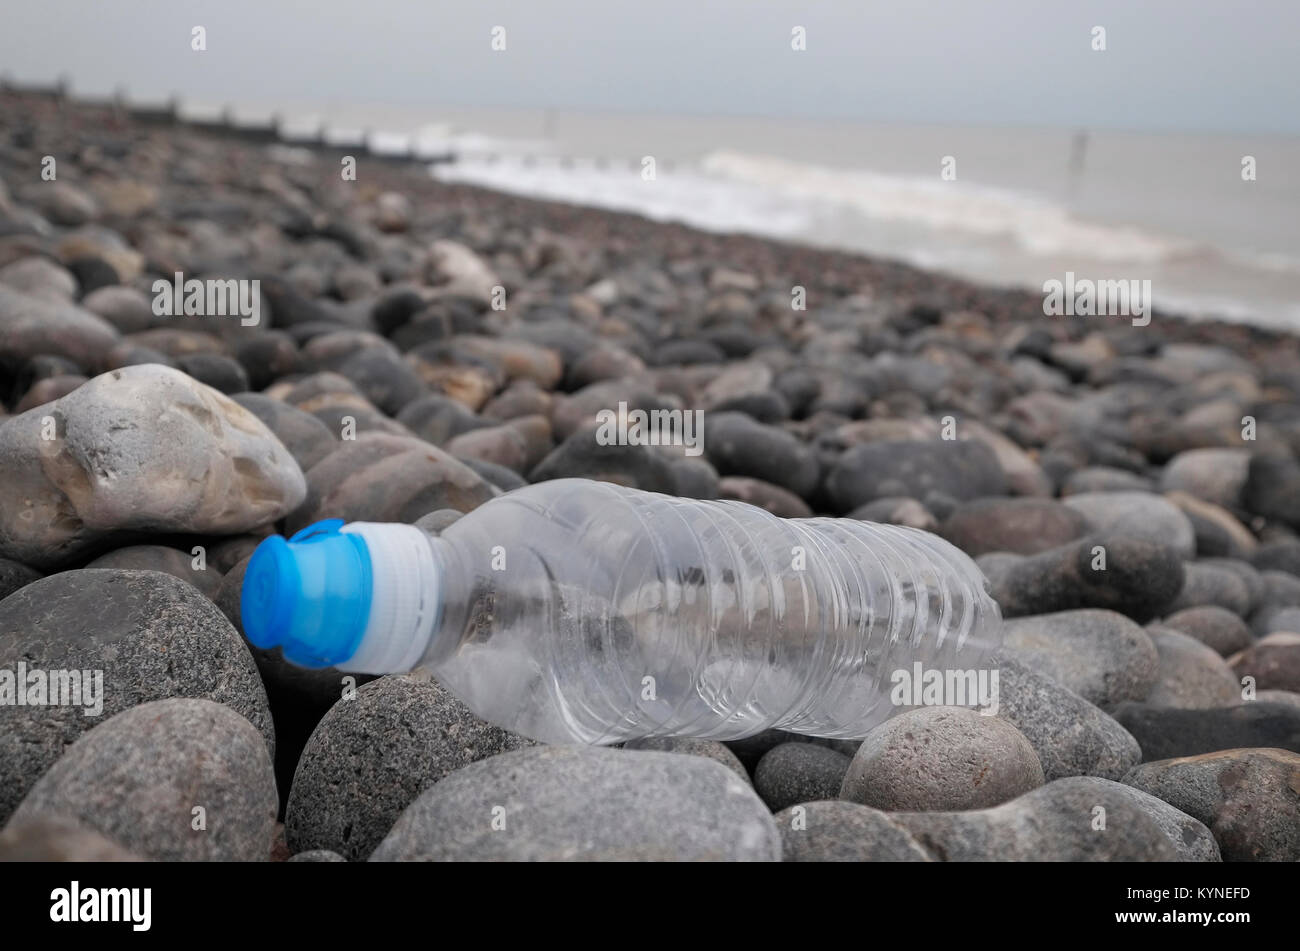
{"x":417,"y":348}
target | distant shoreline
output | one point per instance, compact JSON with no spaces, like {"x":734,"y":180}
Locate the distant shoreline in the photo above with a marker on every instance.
{"x":888,"y":278}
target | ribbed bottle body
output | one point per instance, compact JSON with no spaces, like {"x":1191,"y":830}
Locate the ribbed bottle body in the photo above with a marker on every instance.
{"x":587,"y":612}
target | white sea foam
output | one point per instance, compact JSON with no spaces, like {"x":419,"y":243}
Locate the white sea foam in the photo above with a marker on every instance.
{"x":685,"y":194}
{"x":730,"y":191}
{"x":1038,"y":226}
{"x":993,"y":234}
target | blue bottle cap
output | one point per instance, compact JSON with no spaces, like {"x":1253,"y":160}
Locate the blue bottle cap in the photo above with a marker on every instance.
{"x":309,"y":595}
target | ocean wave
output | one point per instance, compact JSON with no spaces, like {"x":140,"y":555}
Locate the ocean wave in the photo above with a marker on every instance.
{"x":779,"y":197}
{"x":984,"y":233}
{"x":685,"y":195}
{"x":1038,"y":226}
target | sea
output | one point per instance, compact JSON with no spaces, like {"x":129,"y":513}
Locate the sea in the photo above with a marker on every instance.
{"x":1212,"y":220}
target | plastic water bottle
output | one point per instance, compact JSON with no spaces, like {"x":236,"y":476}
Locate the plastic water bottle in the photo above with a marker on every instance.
{"x":575,"y":611}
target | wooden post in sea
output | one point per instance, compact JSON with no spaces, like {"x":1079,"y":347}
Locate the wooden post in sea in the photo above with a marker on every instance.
{"x":1078,"y":154}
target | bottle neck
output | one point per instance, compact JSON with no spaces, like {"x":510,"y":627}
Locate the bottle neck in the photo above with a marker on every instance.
{"x":408,"y":574}
{"x":453,"y":602}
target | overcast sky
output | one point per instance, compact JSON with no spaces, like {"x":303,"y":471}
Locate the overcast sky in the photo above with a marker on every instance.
{"x":1214,"y":65}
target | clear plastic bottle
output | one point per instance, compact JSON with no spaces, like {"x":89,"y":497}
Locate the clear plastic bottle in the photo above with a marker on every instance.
{"x":578,"y":611}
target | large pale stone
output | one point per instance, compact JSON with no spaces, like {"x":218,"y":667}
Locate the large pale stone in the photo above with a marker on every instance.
{"x":140,"y":449}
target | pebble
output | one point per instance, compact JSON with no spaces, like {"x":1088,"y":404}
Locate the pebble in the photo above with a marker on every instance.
{"x":438,"y":521}
{"x":574,"y":411}
{"x":93,"y":273}
{"x":372,"y":364}
{"x":1104,"y":479}
{"x":15,"y":575}
{"x":266,"y":356}
{"x":306,"y":438}
{"x":68,"y":205}
{"x":169,"y":780}
{"x":393,"y":212}
{"x":1190,"y":675}
{"x":897,"y":510}
{"x":373,"y":753}
{"x":190,"y":568}
{"x":1246,"y":797}
{"x":563,"y":803}
{"x":382,"y":478}
{"x":1102,"y":656}
{"x":151,"y":635}
{"x":1217,"y":628}
{"x":773,"y":498}
{"x":220,"y":372}
{"x":838,"y":831}
{"x":1211,"y":585}
{"x":181,"y":458}
{"x":582,"y":455}
{"x":1214,"y":475}
{"x":1281,"y":555}
{"x":936,"y":758}
{"x":963,"y":469}
{"x":1273,"y":619}
{"x":1060,"y":822}
{"x":438,"y":418}
{"x":93,"y":241}
{"x":737,"y":444}
{"x":461,"y":272}
{"x":40,"y":277}
{"x":1025,"y":526}
{"x":1133,"y":576}
{"x":711,"y":749}
{"x":1289,"y":697}
{"x":498,"y":477}
{"x":30,"y":326}
{"x":1023,"y":474}
{"x":750,"y":749}
{"x":792,"y":773}
{"x":1071,"y":736}
{"x":48,"y":390}
{"x":57,"y":838}
{"x":1219,"y":533}
{"x":520,"y":398}
{"x":519,"y":444}
{"x":1141,"y":515}
{"x":1256,"y":587}
{"x":316,"y":855}
{"x":1167,"y":732}
{"x":516,"y":359}
{"x":1273,"y":662}
{"x":1270,"y":488}
{"x":1279,"y":589}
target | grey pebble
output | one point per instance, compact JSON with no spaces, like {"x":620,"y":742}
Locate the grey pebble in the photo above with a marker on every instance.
{"x":171,"y":780}
{"x":937,"y":758}
{"x":1076,"y":819}
{"x":799,"y":772}
{"x":1248,"y":799}
{"x":1100,"y":655}
{"x":372,"y":755}
{"x":151,"y":635}
{"x":839,"y":831}
{"x":564,"y":803}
